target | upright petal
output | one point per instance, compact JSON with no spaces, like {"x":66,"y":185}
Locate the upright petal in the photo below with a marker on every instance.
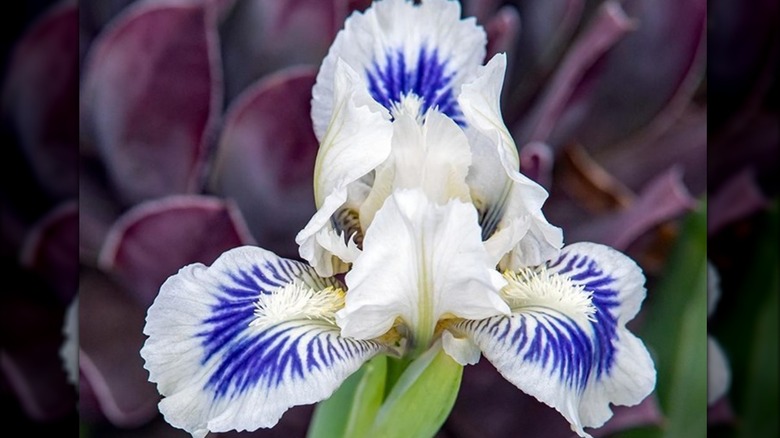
{"x":421,"y":262}
{"x":480,"y":100}
{"x":507,"y":200}
{"x":234,"y":345}
{"x":356,"y":142}
{"x":433,"y":155}
{"x":510,"y":208}
{"x":400,"y":48}
{"x":565,"y":342}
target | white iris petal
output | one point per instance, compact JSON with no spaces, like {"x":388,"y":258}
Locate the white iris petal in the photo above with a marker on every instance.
{"x":234,"y":345}
{"x":356,"y":142}
{"x":516,"y":229}
{"x":565,"y":341}
{"x":421,"y":262}
{"x":400,"y":48}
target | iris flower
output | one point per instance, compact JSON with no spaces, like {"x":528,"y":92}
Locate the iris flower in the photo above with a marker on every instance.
{"x":393,"y":75}
{"x":442,"y":240}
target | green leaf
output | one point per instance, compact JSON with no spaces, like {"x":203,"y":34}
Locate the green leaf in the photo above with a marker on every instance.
{"x":747,"y":330}
{"x":350,"y":411}
{"x":675,"y":330}
{"x":421,"y":399}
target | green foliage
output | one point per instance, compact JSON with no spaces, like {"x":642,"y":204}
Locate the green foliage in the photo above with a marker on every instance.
{"x":417,"y":400}
{"x":675,"y":331}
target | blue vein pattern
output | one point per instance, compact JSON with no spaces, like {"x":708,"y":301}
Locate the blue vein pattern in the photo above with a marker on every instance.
{"x":269,"y":356}
{"x":427,"y":78}
{"x":554,"y":341}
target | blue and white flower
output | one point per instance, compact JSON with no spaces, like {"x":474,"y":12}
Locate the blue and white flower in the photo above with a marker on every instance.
{"x":234,"y":345}
{"x":443,"y":241}
{"x":401,"y":63}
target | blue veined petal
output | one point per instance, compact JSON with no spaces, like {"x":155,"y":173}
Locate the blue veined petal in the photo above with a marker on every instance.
{"x":576,"y":365}
{"x":391,"y":78}
{"x":400,"y":47}
{"x":223,"y":361}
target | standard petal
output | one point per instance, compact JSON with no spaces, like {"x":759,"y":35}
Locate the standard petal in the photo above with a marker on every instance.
{"x":234,"y":345}
{"x":400,"y":48}
{"x":510,"y":207}
{"x":578,"y":365}
{"x":356,"y":142}
{"x":420,"y":262}
{"x":433,"y":155}
{"x":508,"y":196}
{"x":480,"y":100}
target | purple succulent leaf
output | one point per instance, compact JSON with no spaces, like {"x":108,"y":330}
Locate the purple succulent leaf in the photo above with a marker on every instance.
{"x":721,"y":412}
{"x":95,"y":14}
{"x":571,"y":79}
{"x":89,"y":405}
{"x":663,"y":198}
{"x":502,"y":31}
{"x":36,"y":377}
{"x":536,"y":162}
{"x":150,"y":93}
{"x":357,"y":5}
{"x":31,"y":337}
{"x":98,"y":210}
{"x":51,"y":250}
{"x":265,"y":158}
{"x":155,"y":239}
{"x":547,"y":28}
{"x":646,"y":413}
{"x":685,"y":144}
{"x":487,"y":407}
{"x":294,"y":423}
{"x":645,"y":81}
{"x":481,"y":9}
{"x":40,"y":98}
{"x":744,"y":37}
{"x":751,"y":142}
{"x":260,"y":37}
{"x":13,"y":230}
{"x":110,"y":336}
{"x":737,"y":198}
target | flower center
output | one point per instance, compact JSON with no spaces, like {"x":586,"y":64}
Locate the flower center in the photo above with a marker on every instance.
{"x":537,"y":287}
{"x":295,"y":301}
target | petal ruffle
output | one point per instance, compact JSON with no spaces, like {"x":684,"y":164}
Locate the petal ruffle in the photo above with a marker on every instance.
{"x":400,"y":48}
{"x":420,"y":262}
{"x":504,"y":198}
{"x":220,"y":369}
{"x":577,"y":367}
{"x":510,"y":207}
